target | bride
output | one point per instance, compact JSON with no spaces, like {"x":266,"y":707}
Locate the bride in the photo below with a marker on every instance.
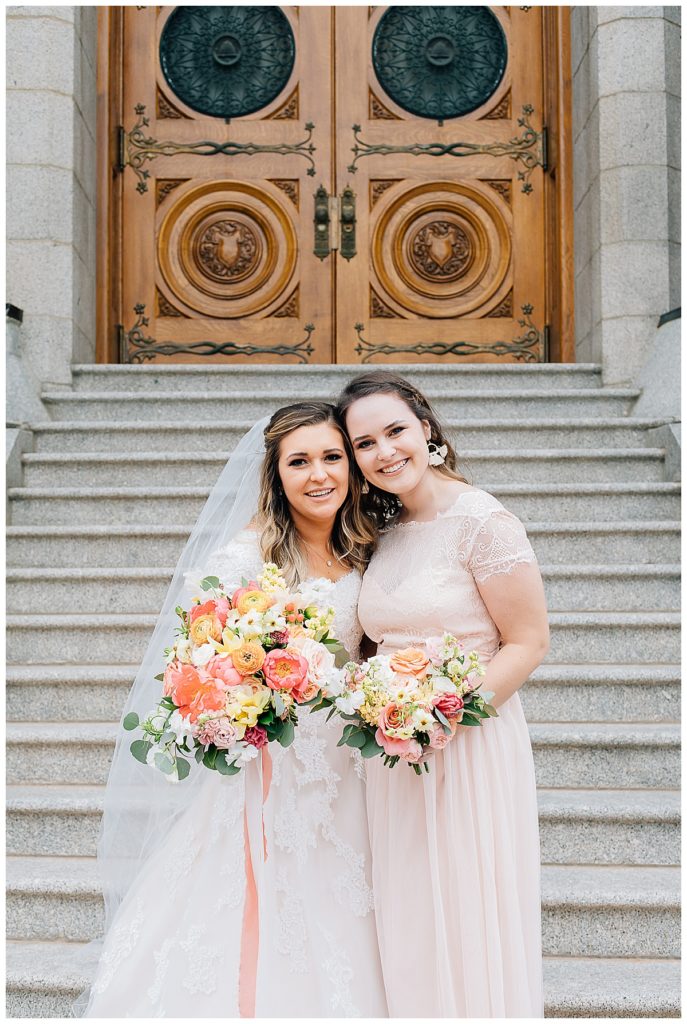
{"x":203,"y":920}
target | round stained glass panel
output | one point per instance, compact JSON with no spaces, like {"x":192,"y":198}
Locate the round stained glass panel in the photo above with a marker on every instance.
{"x":439,"y":62}
{"x":227,"y":61}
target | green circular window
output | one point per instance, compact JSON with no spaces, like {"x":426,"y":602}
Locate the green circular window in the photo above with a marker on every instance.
{"x":439,"y":62}
{"x":227,"y":61}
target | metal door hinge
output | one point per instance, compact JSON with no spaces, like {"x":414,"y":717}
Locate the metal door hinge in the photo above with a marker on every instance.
{"x":545,"y":148}
{"x":334,"y":223}
{"x":120,"y":138}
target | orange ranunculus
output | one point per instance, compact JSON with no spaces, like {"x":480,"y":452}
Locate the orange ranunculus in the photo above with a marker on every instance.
{"x":248,"y":659}
{"x":204,"y":628}
{"x":410,"y":662}
{"x":238,"y":594}
{"x":253,"y":601}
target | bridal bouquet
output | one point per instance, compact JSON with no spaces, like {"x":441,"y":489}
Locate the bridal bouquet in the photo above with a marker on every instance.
{"x":234,"y":675}
{"x":405,"y":705}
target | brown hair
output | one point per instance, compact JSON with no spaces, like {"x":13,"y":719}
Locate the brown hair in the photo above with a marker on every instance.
{"x":383,"y":506}
{"x":353,"y":535}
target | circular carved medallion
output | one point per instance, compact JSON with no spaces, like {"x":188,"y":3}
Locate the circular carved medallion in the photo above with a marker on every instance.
{"x":442,"y":249}
{"x":439,"y":62}
{"x":227,"y":61}
{"x":225,"y":248}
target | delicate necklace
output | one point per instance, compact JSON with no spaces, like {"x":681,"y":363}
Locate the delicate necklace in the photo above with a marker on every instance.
{"x":328,"y":561}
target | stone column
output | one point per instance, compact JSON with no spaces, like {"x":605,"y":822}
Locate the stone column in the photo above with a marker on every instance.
{"x":626,"y":131}
{"x":51,"y":103}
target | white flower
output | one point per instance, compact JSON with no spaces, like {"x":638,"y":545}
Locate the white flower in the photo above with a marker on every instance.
{"x":423,"y":720}
{"x":379,"y":669}
{"x":316,"y":592}
{"x":201,"y":655}
{"x":350,"y":702}
{"x":180,"y":726}
{"x":250,"y":624}
{"x":440,"y":684}
{"x":272,"y":621}
{"x":184,"y":648}
{"x":334,"y":682}
{"x":455,"y":668}
{"x":247,"y":754}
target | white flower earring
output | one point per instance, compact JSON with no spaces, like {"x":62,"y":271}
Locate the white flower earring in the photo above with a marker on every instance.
{"x":437,"y":455}
{"x":365,"y":488}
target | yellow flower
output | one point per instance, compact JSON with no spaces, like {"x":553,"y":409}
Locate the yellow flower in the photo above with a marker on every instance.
{"x":230,"y":642}
{"x":204,"y":628}
{"x":254,"y":600}
{"x":246,"y":703}
{"x":248,"y":658}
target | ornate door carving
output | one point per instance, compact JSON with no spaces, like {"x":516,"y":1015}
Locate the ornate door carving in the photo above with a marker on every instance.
{"x":239,"y":127}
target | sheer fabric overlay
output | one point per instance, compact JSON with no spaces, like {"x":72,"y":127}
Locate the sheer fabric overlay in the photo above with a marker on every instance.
{"x":174,"y":947}
{"x":455,"y":854}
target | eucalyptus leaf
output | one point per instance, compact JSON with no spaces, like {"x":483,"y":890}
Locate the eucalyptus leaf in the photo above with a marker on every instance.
{"x":209,"y":757}
{"x":183,"y":767}
{"x":469,"y":720}
{"x":371,"y":748}
{"x":209,"y":583}
{"x":224,"y":768}
{"x":164,"y":763}
{"x":140,"y":748}
{"x":491,"y":710}
{"x":131,"y":721}
{"x":200,"y":754}
{"x":357,"y":739}
{"x":287,"y":733}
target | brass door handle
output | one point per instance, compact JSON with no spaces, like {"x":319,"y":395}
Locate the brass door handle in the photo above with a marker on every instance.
{"x":334,"y":223}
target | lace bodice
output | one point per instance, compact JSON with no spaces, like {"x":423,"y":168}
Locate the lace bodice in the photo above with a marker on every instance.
{"x":423,"y":576}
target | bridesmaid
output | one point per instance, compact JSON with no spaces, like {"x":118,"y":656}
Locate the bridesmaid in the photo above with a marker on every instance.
{"x":455,"y":853}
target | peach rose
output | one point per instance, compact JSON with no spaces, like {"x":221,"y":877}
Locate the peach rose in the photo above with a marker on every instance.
{"x":221,"y":667}
{"x":438,"y":738}
{"x":409,"y":749}
{"x":320,"y":660}
{"x":410,"y":662}
{"x":394,"y":719}
{"x":286,"y":670}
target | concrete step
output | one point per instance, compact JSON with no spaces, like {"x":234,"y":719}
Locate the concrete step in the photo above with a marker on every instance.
{"x":554,"y":693}
{"x":575,"y":636}
{"x":582,"y":502}
{"x":44,"y":978}
{"x":586,"y":911}
{"x":621,"y":542}
{"x":566,"y":756}
{"x":568,"y":588}
{"x":598,"y":693}
{"x":126,"y":469}
{"x":293,"y":383}
{"x":191,"y":436}
{"x":542,"y":402}
{"x":575,"y":826}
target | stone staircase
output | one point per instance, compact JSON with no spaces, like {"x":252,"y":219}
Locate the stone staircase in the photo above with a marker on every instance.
{"x":109,"y":495}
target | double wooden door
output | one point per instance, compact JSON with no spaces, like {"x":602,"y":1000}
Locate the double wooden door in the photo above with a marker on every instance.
{"x":333,"y":184}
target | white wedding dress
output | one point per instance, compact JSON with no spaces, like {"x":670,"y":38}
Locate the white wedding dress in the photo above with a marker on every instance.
{"x":177,"y":946}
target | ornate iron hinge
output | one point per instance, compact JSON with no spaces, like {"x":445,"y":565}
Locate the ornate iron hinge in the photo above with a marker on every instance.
{"x":135,"y":346}
{"x":528,"y":149}
{"x":529,"y":347}
{"x":135,"y":148}
{"x":334,"y":223}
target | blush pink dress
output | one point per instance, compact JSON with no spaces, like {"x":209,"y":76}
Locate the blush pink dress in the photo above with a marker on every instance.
{"x":455,"y":853}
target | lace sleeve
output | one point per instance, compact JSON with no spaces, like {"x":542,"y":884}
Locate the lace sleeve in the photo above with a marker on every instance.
{"x":499,"y":544}
{"x":238,"y":559}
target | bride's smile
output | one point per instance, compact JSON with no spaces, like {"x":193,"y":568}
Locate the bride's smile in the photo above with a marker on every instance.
{"x":314,"y":468}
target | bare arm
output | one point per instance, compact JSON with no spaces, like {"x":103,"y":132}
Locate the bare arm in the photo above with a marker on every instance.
{"x":517,"y":605}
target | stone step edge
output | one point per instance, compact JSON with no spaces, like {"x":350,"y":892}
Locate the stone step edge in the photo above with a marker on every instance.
{"x":338,"y":368}
{"x":111,"y":620}
{"x":172,"y":529}
{"x":605,"y":735}
{"x":466,"y":455}
{"x":566,"y":979}
{"x":491,"y":423}
{"x":611,"y":571}
{"x":660,"y":806}
{"x":547,"y":673}
{"x":186,"y":397}
{"x":562,"y":885}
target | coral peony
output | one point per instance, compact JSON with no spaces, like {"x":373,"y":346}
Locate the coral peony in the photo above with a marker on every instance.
{"x":286,"y":670}
{"x":221,"y":667}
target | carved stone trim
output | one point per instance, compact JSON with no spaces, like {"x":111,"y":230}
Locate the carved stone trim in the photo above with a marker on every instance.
{"x":378,"y":112}
{"x":378,"y":187}
{"x":379,"y":310}
{"x":504,"y":308}
{"x":291,"y":308}
{"x":167,"y":185}
{"x":288,"y":110}
{"x":167,"y":110}
{"x":289,"y":185}
{"x":504,"y":188}
{"x":501,"y":111}
{"x":164,"y":307}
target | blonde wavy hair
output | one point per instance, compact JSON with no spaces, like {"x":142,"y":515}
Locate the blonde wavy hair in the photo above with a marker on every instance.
{"x":353,"y":535}
{"x":383,"y":507}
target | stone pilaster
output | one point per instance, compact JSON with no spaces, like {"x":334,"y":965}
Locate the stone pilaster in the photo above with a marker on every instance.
{"x":51,"y":103}
{"x":626,"y":101}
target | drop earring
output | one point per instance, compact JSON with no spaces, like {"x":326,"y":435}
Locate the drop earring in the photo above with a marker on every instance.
{"x":365,"y":488}
{"x":437,"y":455}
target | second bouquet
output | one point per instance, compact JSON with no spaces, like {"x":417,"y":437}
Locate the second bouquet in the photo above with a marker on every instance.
{"x":239,"y":667}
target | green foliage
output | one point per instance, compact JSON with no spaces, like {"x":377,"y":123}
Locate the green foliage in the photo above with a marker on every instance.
{"x":140,"y":748}
{"x":183,"y":767}
{"x":131,"y":721}
{"x":287,"y":733}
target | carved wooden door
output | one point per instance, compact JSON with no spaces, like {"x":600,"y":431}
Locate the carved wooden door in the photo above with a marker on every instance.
{"x":317,"y":184}
{"x":439,"y":114}
{"x":226,"y":123}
